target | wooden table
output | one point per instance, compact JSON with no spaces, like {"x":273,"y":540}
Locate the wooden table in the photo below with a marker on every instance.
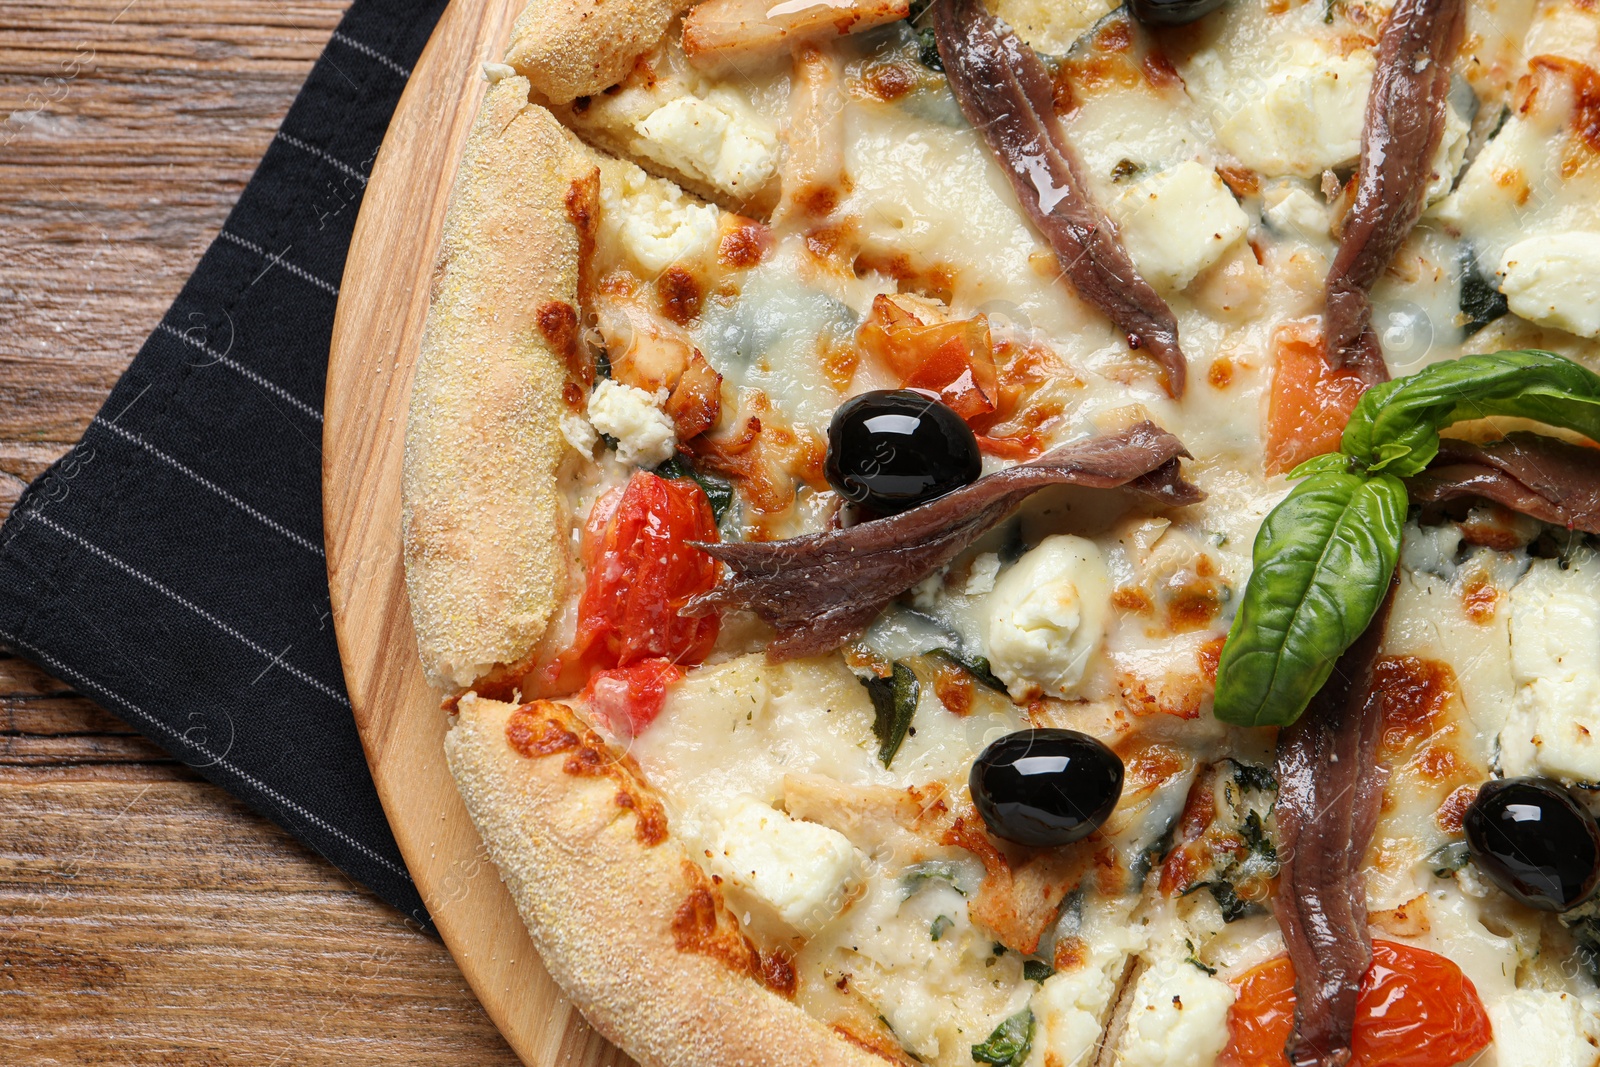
{"x":145,"y":916}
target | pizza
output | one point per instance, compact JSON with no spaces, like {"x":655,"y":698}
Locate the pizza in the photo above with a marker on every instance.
{"x":1024,"y":533}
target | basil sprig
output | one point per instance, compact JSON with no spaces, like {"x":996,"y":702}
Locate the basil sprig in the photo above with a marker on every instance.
{"x":1395,"y":427}
{"x":1325,"y":554}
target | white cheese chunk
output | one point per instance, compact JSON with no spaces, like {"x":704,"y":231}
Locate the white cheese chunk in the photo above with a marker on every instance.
{"x":1291,"y":209}
{"x":1178,"y":1017}
{"x":718,"y":139}
{"x":1542,"y":1028}
{"x":579,"y":434}
{"x":1047,"y":617}
{"x":1554,"y":724}
{"x":1070,"y":1007}
{"x":800,"y":868}
{"x":1178,"y":222}
{"x":656,"y":222}
{"x":645,"y":436}
{"x":984,"y":569}
{"x":1554,"y":280}
{"x":1449,"y":156}
{"x":1307,"y":116}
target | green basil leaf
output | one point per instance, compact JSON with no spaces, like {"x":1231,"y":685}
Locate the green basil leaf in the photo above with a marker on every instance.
{"x":1327,"y":463}
{"x":1323,"y":559}
{"x":918,"y":874}
{"x":977,"y":666}
{"x":940,"y":926}
{"x":1036,"y":970}
{"x":1395,"y":427}
{"x":718,"y":492}
{"x":894,"y":702}
{"x":1009,"y":1044}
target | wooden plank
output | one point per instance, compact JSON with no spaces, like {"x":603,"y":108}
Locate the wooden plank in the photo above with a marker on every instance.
{"x":163,"y":923}
{"x":382,"y":305}
{"x":146,"y":917}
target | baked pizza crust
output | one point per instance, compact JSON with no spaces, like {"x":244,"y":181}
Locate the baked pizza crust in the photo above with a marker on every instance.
{"x":624,"y":920}
{"x":484,"y":525}
{"x":572,"y":48}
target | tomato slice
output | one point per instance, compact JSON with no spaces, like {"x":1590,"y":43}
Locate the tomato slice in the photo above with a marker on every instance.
{"x":629,"y":698}
{"x":1415,"y":1009}
{"x":642,"y":570}
{"x":1310,"y":402}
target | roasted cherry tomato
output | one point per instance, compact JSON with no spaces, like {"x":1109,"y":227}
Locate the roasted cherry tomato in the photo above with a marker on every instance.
{"x":1415,"y":1009}
{"x":642,"y":570}
{"x":1310,"y":403}
{"x":629,"y":698}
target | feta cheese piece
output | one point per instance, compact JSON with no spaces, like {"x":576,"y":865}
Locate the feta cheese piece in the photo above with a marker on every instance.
{"x":1543,"y":1028}
{"x":657,"y":223}
{"x":645,"y":436}
{"x":1449,"y":156}
{"x":1178,"y":222}
{"x":1047,"y":616}
{"x":717,"y":139}
{"x":1070,"y":1007}
{"x":1554,"y":280}
{"x":1307,"y":117}
{"x":802,"y":869}
{"x":493,"y":72}
{"x":981,"y":579}
{"x":1178,"y":1017}
{"x":579,"y":434}
{"x":1554,"y":723}
{"x":1291,"y":209}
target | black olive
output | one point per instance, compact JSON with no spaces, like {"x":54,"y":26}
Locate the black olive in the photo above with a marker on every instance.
{"x":1172,"y":12}
{"x":893,"y":449}
{"x":1045,"y":787}
{"x":1535,"y":842}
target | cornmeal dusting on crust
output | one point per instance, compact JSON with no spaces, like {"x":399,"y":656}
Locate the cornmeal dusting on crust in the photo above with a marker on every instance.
{"x":572,"y":48}
{"x":604,"y":912}
{"x":545,"y":728}
{"x":482,"y":514}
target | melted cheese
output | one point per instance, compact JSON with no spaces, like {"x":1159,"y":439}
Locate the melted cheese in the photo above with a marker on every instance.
{"x":1217,"y":185}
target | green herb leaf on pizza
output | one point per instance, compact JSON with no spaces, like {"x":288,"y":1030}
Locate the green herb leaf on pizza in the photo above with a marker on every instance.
{"x":1321,"y":562}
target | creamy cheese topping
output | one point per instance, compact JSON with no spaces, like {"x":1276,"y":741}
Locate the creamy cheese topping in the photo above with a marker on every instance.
{"x":1223,"y":157}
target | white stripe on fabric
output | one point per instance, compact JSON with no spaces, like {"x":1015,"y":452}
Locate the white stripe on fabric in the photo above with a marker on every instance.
{"x":312,"y":150}
{"x":368,"y":50}
{"x":277,"y":260}
{"x":264,"y":519}
{"x":61,"y":669}
{"x":239,"y":368}
{"x":129,"y":569}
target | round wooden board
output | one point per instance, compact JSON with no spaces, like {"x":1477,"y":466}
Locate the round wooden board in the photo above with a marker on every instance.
{"x":376,"y":334}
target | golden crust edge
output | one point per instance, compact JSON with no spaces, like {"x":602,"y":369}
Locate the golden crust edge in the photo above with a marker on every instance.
{"x":573,"y":48}
{"x":600,"y":904}
{"x":482,"y":523}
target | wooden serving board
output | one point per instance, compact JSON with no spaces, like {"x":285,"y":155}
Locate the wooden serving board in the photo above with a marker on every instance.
{"x":376,"y":334}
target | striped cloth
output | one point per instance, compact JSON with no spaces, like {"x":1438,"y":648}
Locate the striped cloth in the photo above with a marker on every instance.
{"x":170,"y":567}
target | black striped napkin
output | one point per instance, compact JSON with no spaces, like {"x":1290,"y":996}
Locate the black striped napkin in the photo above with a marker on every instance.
{"x":170,"y":566}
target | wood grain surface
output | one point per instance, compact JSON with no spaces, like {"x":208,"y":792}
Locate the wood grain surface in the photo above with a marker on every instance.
{"x":377,"y":331}
{"x":145,"y":916}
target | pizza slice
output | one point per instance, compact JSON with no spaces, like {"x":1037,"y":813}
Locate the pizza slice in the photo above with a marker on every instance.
{"x":932,"y":527}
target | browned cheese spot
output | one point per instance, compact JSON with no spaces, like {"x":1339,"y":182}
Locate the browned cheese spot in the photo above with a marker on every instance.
{"x":558,"y":322}
{"x":680,"y":295}
{"x":1452,"y":814}
{"x":744,"y":245}
{"x":545,"y":728}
